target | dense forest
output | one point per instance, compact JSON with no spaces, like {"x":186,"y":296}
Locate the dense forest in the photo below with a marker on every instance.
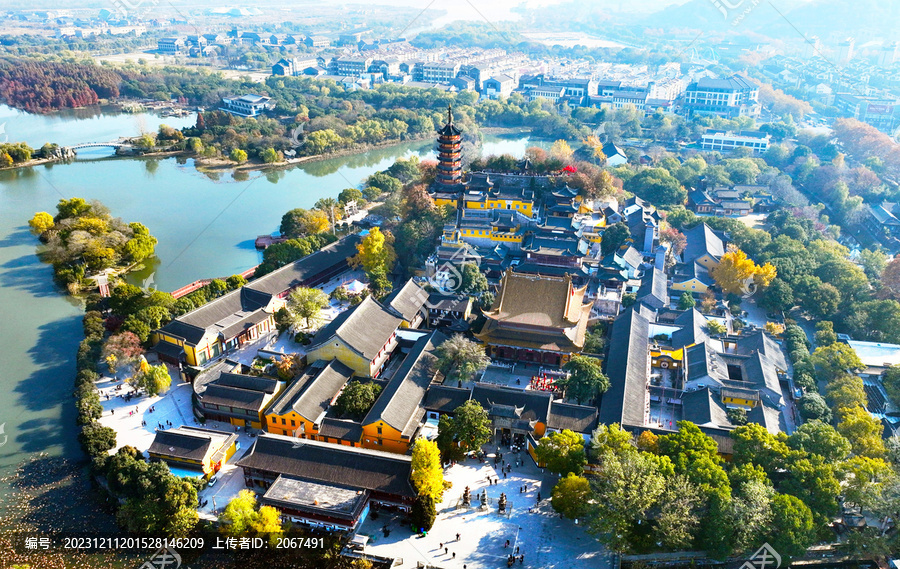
{"x":44,"y":86}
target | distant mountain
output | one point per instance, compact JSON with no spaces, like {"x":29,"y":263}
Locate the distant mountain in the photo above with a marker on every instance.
{"x":717,"y":16}
{"x":831,"y":20}
{"x":835,"y":19}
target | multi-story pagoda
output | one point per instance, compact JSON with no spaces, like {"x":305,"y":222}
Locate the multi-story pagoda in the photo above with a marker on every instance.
{"x":449,"y":170}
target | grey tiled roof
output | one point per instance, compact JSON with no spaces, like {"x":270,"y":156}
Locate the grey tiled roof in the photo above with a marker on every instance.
{"x":310,"y":395}
{"x":445,"y":399}
{"x":191,"y":443}
{"x":294,"y":274}
{"x":627,"y":368}
{"x":692,"y":329}
{"x":407,"y":301}
{"x":263,"y":384}
{"x":402,"y":398}
{"x":535,"y":404}
{"x":577,"y":418}
{"x":654,"y":289}
{"x":703,"y":407}
{"x":330,"y":463}
{"x":365,"y":328}
{"x":702,"y":240}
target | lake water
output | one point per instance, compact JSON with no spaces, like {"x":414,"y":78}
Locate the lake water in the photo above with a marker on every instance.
{"x":206,"y":225}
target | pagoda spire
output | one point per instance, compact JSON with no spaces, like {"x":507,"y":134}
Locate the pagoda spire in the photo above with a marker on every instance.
{"x":449,"y":152}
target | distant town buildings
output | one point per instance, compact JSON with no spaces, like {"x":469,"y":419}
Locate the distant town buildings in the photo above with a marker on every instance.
{"x":725,"y":141}
{"x":729,"y":98}
{"x":247,"y":105}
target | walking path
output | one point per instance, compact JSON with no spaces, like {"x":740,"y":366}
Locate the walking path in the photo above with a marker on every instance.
{"x":534,"y":528}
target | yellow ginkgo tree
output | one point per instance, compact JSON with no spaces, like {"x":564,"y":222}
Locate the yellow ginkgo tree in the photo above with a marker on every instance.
{"x":738,"y":274}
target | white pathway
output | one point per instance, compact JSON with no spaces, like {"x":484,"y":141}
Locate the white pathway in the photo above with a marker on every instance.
{"x":542,"y":537}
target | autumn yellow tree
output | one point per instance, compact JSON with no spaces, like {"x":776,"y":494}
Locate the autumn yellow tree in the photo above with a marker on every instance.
{"x":562,"y":151}
{"x":427,"y":475}
{"x":736,"y":271}
{"x":41,"y":222}
{"x":315,"y":221}
{"x":596,"y":147}
{"x":375,"y":253}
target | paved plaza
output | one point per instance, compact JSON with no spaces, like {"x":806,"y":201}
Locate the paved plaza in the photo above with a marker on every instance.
{"x":173,"y":406}
{"x":534,"y":528}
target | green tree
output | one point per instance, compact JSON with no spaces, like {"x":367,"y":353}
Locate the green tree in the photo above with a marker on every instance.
{"x":614,"y":236}
{"x":891,"y":381}
{"x":379,"y":183}
{"x":814,"y":482}
{"x":611,"y":438}
{"x":585,"y":380}
{"x":813,"y":406}
{"x":269,"y":155}
{"x":427,"y":475}
{"x":473,"y":280}
{"x":154,"y":316}
{"x":75,"y":207}
{"x":571,"y":496}
{"x":836,"y":359}
{"x":816,"y":437}
{"x":97,"y":439}
{"x":349,"y":194}
{"x":657,"y":186}
{"x":864,"y":481}
{"x":235,"y":282}
{"x":714,"y":327}
{"x":778,"y":296}
{"x":356,"y":399}
{"x":679,"y":509}
{"x":846,"y":391}
{"x":305,"y":305}
{"x":825,"y":335}
{"x":748,"y":513}
{"x":138,"y":327}
{"x":792,"y":529}
{"x":423,"y":512}
{"x":737,"y":416}
{"x":696,"y":455}
{"x":753,"y":444}
{"x":626,"y":490}
{"x":460,"y":357}
{"x":154,"y":380}
{"x":862,"y":430}
{"x":873,"y":263}
{"x":239,"y":514}
{"x":126,"y":299}
{"x":562,"y":452}
{"x":471,"y":426}
{"x":446,"y":440}
{"x":686,"y":301}
{"x":140,"y":247}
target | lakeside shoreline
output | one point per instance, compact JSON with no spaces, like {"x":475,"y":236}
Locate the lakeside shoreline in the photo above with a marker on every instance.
{"x":224,"y":164}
